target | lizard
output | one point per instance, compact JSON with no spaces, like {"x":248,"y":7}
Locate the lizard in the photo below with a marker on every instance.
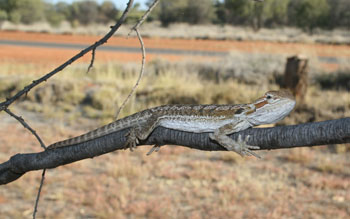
{"x":218,"y":120}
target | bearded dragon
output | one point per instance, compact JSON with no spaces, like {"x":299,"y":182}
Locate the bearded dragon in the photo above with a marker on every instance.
{"x":218,"y":120}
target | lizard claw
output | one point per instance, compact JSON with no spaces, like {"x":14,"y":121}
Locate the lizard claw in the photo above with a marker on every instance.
{"x":245,"y":149}
{"x":155,"y":148}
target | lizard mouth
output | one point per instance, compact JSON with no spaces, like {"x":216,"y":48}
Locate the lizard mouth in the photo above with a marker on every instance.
{"x":271,"y":113}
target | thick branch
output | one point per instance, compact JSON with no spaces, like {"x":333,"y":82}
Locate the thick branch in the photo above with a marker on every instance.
{"x":309,"y":134}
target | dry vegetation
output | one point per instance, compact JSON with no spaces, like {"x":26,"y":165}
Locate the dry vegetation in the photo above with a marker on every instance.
{"x":175,"y":182}
{"x":181,"y":30}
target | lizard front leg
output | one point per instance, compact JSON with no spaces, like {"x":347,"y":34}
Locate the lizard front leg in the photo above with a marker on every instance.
{"x":240,"y":146}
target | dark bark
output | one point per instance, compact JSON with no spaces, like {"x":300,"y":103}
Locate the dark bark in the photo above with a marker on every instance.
{"x":308,"y":134}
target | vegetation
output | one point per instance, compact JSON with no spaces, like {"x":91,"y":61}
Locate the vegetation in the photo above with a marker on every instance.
{"x":79,"y":12}
{"x":169,"y":83}
{"x":306,"y":14}
{"x":175,"y":182}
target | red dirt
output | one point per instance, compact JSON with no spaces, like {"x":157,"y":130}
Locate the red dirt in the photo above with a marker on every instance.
{"x":190,"y":44}
{"x":28,"y":54}
{"x":45,"y":55}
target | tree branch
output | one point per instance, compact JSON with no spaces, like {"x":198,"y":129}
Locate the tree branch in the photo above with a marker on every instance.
{"x":25,"y":125}
{"x":143,"y":51}
{"x":92,"y":60}
{"x":282,"y":137}
{"x":9,"y":101}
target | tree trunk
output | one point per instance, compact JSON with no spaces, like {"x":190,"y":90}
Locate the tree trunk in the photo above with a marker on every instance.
{"x":296,"y":76}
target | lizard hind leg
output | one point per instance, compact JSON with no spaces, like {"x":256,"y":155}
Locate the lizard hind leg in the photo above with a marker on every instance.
{"x":140,"y":132}
{"x":131,"y":139}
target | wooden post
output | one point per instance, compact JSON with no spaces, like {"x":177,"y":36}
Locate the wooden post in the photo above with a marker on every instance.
{"x":295,"y":76}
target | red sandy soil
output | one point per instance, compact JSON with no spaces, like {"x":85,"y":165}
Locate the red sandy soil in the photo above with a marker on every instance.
{"x":27,"y":54}
{"x":190,"y":44}
{"x":51,"y":55}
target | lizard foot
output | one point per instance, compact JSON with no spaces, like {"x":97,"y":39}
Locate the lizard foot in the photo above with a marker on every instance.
{"x":240,"y":146}
{"x":131,"y":140}
{"x":246,"y":149}
{"x":155,"y":148}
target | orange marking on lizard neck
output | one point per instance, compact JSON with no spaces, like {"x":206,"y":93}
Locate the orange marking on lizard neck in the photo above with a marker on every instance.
{"x":250,"y":111}
{"x":260,"y":104}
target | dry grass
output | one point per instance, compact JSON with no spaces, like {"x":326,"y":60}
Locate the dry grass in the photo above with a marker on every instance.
{"x":176,"y":182}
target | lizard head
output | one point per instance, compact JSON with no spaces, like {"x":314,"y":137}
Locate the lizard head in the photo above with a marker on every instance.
{"x":272,"y":107}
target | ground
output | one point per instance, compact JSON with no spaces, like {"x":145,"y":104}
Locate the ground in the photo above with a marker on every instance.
{"x":176,"y":182}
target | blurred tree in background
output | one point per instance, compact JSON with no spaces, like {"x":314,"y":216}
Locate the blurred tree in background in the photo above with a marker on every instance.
{"x":3,"y":15}
{"x":84,"y":12}
{"x":276,"y":13}
{"x":188,"y":11}
{"x":107,"y":12}
{"x":306,"y":14}
{"x":339,"y":14}
{"x":24,"y":11}
{"x":134,"y":14}
{"x":310,"y":14}
{"x":200,"y":12}
{"x":169,"y":11}
{"x":53,"y":15}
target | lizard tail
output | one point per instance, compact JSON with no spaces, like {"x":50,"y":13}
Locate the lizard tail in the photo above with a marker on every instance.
{"x":99,"y":132}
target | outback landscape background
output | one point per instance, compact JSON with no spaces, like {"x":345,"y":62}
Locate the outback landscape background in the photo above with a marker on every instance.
{"x":203,"y":52}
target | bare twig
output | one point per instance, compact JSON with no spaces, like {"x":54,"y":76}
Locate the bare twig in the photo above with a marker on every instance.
{"x":135,"y":28}
{"x":38,"y":195}
{"x":25,"y":125}
{"x":144,"y":16}
{"x":140,"y":75}
{"x":92,"y":60}
{"x":9,"y":101}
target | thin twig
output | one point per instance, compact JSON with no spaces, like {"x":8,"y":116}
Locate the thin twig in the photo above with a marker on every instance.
{"x":9,"y":101}
{"x":38,"y":195}
{"x":140,"y":75}
{"x":144,"y":16}
{"x":135,"y":28}
{"x":25,"y":125}
{"x":92,"y":60}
